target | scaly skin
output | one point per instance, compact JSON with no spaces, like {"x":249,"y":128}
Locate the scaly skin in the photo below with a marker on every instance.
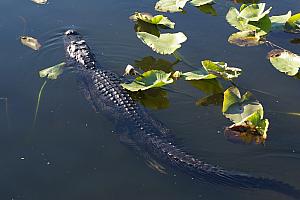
{"x":102,"y":88}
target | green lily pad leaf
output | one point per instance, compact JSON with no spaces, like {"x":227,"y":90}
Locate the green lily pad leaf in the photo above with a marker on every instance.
{"x":156,"y":20}
{"x":245,"y":38}
{"x":252,"y":130}
{"x":166,"y":43}
{"x":208,"y":9}
{"x":237,"y":107}
{"x":155,"y":98}
{"x":30,"y":42}
{"x":239,"y":23}
{"x":278,"y":22}
{"x":197,"y":75}
{"x":149,"y":79}
{"x":263,"y":25}
{"x":254,"y":12}
{"x":293,"y":24}
{"x":201,"y":2}
{"x":170,"y":5}
{"x":285,"y":61}
{"x":221,"y":69}
{"x":52,"y":72}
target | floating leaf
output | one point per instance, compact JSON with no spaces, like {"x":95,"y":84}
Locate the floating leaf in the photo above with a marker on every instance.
{"x":52,"y":72}
{"x":208,"y":9}
{"x":197,"y":75}
{"x":170,"y":5}
{"x":201,"y":2}
{"x":165,"y":44}
{"x":293,"y":24}
{"x":254,"y":12}
{"x":221,"y":69}
{"x":245,"y":38}
{"x":156,"y":20}
{"x":40,"y":1}
{"x":237,"y":107}
{"x":278,"y":22}
{"x":263,"y":26}
{"x":149,"y":79}
{"x":30,"y":42}
{"x":233,"y":20}
{"x":285,"y":61}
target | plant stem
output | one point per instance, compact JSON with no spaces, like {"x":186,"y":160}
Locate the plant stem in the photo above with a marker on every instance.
{"x":38,"y":102}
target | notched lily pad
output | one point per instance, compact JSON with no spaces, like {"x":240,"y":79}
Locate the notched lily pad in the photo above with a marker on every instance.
{"x":149,"y":63}
{"x":254,"y":12}
{"x":245,"y":38}
{"x":197,"y":75}
{"x":156,"y":20}
{"x":278,"y":22}
{"x":149,"y":79}
{"x":208,"y":9}
{"x":221,"y":69}
{"x":30,"y":42}
{"x":285,"y":61}
{"x":166,"y":43}
{"x":237,"y":107}
{"x":170,"y":5}
{"x":293,"y":24}
{"x":52,"y":72}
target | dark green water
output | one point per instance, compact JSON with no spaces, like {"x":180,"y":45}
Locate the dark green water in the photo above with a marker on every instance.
{"x":72,"y":152}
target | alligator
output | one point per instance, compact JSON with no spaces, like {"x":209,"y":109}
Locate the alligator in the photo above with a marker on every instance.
{"x":102,"y":89}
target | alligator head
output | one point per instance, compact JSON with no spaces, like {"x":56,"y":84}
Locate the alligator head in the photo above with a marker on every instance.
{"x":77,"y":51}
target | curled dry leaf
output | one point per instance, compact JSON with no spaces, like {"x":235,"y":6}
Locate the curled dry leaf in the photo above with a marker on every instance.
{"x":30,"y":42}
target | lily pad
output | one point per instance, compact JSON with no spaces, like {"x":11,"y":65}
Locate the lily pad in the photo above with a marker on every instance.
{"x":253,"y":125}
{"x":197,"y":75}
{"x":52,"y":72}
{"x":208,"y":86}
{"x":278,"y":22}
{"x":149,"y":79}
{"x":254,"y":12}
{"x":170,"y":5}
{"x":208,"y":9}
{"x":263,"y":26}
{"x":239,"y":23}
{"x":285,"y":61}
{"x":221,"y":69}
{"x":30,"y":42}
{"x":166,"y":43}
{"x":245,"y":38}
{"x":293,"y":24}
{"x":201,"y":2}
{"x":156,"y":20}
{"x":236,"y":107}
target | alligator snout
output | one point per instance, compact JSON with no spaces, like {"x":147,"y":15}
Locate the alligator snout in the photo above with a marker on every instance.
{"x":71,"y":32}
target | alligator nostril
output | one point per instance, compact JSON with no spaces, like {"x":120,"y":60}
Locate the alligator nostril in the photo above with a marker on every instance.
{"x":69,"y":32}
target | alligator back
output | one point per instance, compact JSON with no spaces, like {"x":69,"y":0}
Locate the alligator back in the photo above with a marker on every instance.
{"x":102,"y":88}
